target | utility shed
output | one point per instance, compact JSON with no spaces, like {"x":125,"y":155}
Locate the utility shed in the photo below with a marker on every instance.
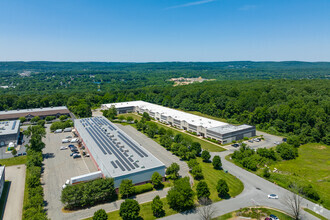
{"x":115,"y":153}
{"x":9,"y":132}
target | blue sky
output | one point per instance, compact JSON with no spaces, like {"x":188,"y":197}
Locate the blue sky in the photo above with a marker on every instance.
{"x":164,"y":30}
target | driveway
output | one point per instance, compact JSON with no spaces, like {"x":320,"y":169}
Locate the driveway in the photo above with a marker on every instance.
{"x":14,"y":204}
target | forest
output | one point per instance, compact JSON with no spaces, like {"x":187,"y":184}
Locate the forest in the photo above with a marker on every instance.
{"x":287,"y":98}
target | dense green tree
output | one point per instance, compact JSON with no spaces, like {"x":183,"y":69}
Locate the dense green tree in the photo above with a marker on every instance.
{"x":146,"y":116}
{"x":181,"y":197}
{"x":129,"y":209}
{"x":22,"y":119}
{"x":196,"y":146}
{"x":202,"y":190}
{"x":206,"y":155}
{"x":166,"y":141}
{"x":156,"y":180}
{"x":126,"y":188}
{"x":286,"y":151}
{"x":14,"y":152}
{"x":157,"y":207}
{"x":35,"y":119}
{"x":217,"y":162}
{"x":100,"y":215}
{"x":178,"y":138}
{"x":222,"y":188}
{"x":197,"y":172}
{"x":173,"y":171}
{"x":192,"y":163}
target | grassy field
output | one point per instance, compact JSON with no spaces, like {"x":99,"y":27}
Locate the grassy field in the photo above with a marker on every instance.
{"x":134,"y":116}
{"x":267,"y":211}
{"x":4,"y":198}
{"x":145,"y":211}
{"x":211,"y":177}
{"x":311,"y":167}
{"x":205,"y":145}
{"x":13,"y":161}
{"x":315,"y":214}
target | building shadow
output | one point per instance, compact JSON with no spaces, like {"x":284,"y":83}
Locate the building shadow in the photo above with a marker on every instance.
{"x":4,"y":197}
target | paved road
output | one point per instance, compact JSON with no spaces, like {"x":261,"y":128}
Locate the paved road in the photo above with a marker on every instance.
{"x":14,"y":205}
{"x":251,"y":196}
{"x":157,"y":150}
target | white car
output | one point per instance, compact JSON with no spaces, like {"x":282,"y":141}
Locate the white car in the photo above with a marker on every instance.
{"x":63,"y":147}
{"x":272,"y":196}
{"x":65,"y":141}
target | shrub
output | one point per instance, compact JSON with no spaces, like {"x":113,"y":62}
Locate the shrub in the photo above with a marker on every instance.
{"x":196,"y":146}
{"x":286,"y":151}
{"x":173,"y":171}
{"x":266,"y":173}
{"x":129,"y":210}
{"x":100,"y":215}
{"x":126,"y":188}
{"x":197,"y":172}
{"x":310,"y":192}
{"x":192,"y":163}
{"x":143,"y":188}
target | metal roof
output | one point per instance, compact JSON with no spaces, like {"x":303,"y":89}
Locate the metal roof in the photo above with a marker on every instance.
{"x":169,"y":112}
{"x":32,"y":110}
{"x":229,"y":128}
{"x":115,"y":152}
{"x":9,"y":127}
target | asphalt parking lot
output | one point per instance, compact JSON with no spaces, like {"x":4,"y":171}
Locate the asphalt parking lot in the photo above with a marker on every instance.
{"x":157,"y":150}
{"x":59,"y":167}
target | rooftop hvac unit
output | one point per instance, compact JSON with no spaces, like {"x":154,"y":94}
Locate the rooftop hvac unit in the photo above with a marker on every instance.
{"x":114,"y":139}
{"x":131,"y":155}
{"x":143,"y":167}
{"x":126,"y":150}
{"x":111,"y":135}
{"x":136,"y":161}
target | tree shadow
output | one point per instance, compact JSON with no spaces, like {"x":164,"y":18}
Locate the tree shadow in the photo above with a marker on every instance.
{"x":48,"y":155}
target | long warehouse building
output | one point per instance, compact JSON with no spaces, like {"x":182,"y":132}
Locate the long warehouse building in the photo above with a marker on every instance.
{"x":217,"y":130}
{"x":115,"y":153}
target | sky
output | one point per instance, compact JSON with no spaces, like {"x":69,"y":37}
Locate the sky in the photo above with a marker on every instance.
{"x":164,"y":30}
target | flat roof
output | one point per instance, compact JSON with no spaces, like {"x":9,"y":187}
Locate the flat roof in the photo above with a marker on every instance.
{"x":9,"y":127}
{"x":116,"y":153}
{"x":169,"y":112}
{"x":229,"y":128}
{"x":33,"y":110}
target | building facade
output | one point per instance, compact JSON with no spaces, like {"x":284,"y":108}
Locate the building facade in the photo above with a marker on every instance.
{"x":31,"y":113}
{"x":209,"y":128}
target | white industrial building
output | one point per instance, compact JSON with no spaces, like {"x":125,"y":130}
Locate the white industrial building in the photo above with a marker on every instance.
{"x":9,"y":132}
{"x":220,"y":131}
{"x":115,"y":153}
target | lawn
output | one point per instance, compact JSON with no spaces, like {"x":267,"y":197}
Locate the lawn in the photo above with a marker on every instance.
{"x":13,"y":161}
{"x":315,"y":214}
{"x":311,"y":167}
{"x":267,"y":211}
{"x":3,"y":199}
{"x":211,"y":177}
{"x":134,"y":116}
{"x":145,"y":211}
{"x":205,"y":145}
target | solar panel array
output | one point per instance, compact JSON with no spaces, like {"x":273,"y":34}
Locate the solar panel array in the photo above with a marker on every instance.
{"x":14,"y":124}
{"x":108,"y":138}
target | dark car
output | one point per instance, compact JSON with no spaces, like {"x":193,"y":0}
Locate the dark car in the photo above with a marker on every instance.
{"x":20,"y":154}
{"x":71,"y":145}
{"x":235,"y":145}
{"x":76,"y":156}
{"x":24,"y":153}
{"x":73,"y":153}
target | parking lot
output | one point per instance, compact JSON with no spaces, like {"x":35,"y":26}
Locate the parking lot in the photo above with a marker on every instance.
{"x":59,"y":167}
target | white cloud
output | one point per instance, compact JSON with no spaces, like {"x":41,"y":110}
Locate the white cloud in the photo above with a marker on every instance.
{"x":191,"y":4}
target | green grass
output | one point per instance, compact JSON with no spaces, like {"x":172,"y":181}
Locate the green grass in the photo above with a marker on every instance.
{"x":134,"y":116}
{"x":3,"y":199}
{"x":13,"y":161}
{"x":205,"y":145}
{"x":212,"y":176}
{"x":315,"y":214}
{"x":145,"y":211}
{"x":207,"y":116}
{"x":310,"y":167}
{"x":267,"y":211}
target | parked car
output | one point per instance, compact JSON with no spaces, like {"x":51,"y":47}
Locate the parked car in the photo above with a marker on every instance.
{"x":251,"y":141}
{"x":71,"y":145}
{"x":24,"y":153}
{"x":58,"y":131}
{"x":63,"y":148}
{"x":73,"y":153}
{"x":274,"y":217}
{"x":235,"y":145}
{"x":65,"y":141}
{"x":74,"y":140}
{"x":272,"y":196}
{"x":20,"y":154}
{"x":68,"y":136}
{"x":76,"y":156}
{"x":87,"y":155}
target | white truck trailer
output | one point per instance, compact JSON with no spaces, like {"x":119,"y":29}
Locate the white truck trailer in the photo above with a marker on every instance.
{"x":83,"y":178}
